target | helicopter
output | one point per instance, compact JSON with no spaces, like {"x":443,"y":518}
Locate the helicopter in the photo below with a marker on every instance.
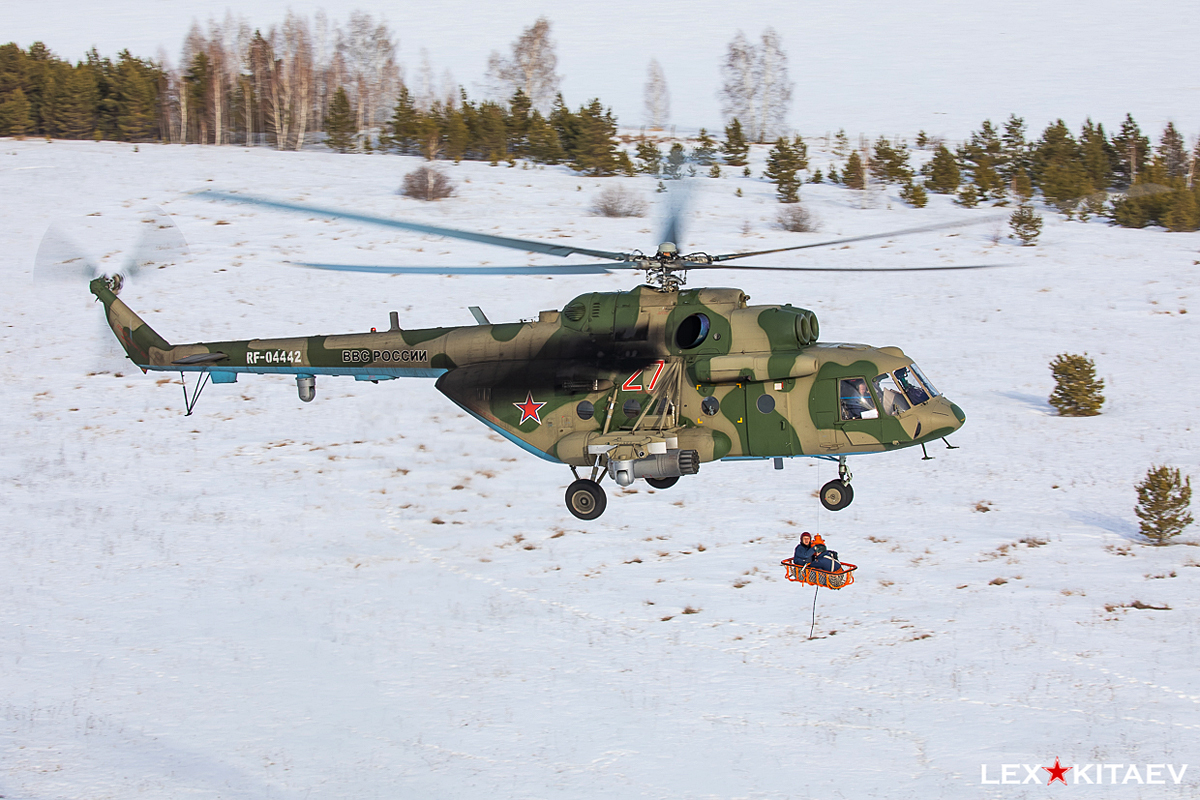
{"x":647,"y":384}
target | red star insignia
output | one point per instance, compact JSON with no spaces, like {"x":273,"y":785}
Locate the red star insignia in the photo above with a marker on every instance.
{"x":1057,"y":773}
{"x":529,"y":410}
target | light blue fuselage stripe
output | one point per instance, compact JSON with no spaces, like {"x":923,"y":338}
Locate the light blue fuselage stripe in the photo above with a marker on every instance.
{"x":295,"y":369}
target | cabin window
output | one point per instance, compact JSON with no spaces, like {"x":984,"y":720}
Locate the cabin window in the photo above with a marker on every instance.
{"x":632,"y":408}
{"x":585,"y":410}
{"x":927,"y":383}
{"x":855,"y":401}
{"x":692,"y":332}
{"x":766,"y":404}
{"x":891,"y":399}
{"x":710,"y":406}
{"x":911,"y":384}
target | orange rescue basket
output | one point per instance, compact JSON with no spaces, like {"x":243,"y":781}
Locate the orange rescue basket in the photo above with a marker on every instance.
{"x":819,"y":577}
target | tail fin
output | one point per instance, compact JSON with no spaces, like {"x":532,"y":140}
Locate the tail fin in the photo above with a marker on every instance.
{"x":131,"y":331}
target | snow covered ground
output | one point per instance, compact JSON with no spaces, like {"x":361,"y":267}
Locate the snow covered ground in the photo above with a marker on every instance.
{"x":371,"y":596}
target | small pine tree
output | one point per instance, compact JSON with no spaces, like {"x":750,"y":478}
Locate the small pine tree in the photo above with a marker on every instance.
{"x":649,"y":157}
{"x":782,"y":165}
{"x":746,"y":172}
{"x":714,"y":171}
{"x":1163,"y":499}
{"x":340,"y":129}
{"x":735,"y":149}
{"x":816,"y":177}
{"x":841,"y":144}
{"x":1026,"y":224}
{"x":1077,"y":389}
{"x":675,"y":162}
{"x":1183,"y":213}
{"x":914,"y":194}
{"x":854,"y":176}
{"x":943,"y":172}
{"x":833,"y":175}
{"x":968,"y":196}
{"x":922,"y":140}
{"x":705,"y":151}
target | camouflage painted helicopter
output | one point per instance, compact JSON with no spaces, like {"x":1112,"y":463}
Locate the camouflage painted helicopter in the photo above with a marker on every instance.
{"x":648,"y":383}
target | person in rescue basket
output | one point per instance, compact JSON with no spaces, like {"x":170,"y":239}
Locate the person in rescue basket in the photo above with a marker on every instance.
{"x":805,"y":552}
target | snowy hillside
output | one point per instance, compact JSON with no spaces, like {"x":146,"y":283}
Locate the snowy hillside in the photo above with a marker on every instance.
{"x":372,"y":596}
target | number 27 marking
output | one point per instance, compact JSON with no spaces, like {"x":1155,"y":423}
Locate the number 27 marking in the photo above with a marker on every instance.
{"x":630,"y":386}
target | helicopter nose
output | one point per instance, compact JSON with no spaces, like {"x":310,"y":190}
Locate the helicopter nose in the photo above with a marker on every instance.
{"x":959,"y":414}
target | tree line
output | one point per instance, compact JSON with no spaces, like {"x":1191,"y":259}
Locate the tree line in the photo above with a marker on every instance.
{"x":306,"y":78}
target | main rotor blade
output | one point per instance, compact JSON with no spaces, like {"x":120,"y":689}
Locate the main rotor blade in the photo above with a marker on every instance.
{"x":678,"y":200}
{"x":527,"y":245}
{"x":563,"y":269}
{"x":831,"y":242}
{"x":752,"y":268}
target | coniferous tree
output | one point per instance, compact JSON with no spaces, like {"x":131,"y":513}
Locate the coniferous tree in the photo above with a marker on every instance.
{"x":16,"y":118}
{"x":981,"y":156}
{"x":942,"y":172}
{"x":967,"y":196}
{"x":1132,"y":149}
{"x":649,"y":157}
{"x":544,"y":145}
{"x":735,"y":149}
{"x":403,"y":124}
{"x":853,"y":175}
{"x":1162,"y":508}
{"x":841,"y":143}
{"x":1058,"y":169}
{"x":889,"y":163}
{"x":1183,"y":212}
{"x":517,"y":123}
{"x":913,"y":193}
{"x":675,"y":161}
{"x":340,"y":129}
{"x":1097,"y":156}
{"x":593,"y":147}
{"x":705,"y":151}
{"x":782,"y":165}
{"x":1026,"y":224}
{"x":1172,"y":152}
{"x":1076,"y":387}
{"x":1015,"y":158}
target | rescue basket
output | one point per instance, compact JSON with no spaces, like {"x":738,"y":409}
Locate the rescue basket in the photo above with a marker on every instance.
{"x":819,"y":577}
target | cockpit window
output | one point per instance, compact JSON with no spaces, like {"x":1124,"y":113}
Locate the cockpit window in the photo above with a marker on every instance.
{"x":911,"y":384}
{"x":928,"y":385}
{"x":855,"y":399}
{"x":890,"y":397}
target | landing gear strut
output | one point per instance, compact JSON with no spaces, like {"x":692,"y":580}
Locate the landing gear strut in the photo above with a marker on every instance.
{"x":837,"y":494}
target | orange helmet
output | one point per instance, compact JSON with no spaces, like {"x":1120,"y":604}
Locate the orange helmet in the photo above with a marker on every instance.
{"x":818,"y":540}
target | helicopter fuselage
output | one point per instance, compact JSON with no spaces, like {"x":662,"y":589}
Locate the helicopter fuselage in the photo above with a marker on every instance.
{"x":622,"y":380}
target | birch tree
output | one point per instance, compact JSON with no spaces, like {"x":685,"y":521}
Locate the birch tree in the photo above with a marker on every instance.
{"x":774,"y":88}
{"x":530,"y":68}
{"x":657,"y":97}
{"x":739,"y":85}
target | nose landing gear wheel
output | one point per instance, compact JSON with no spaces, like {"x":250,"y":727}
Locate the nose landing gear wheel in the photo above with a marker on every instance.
{"x":662,"y":483}
{"x":836,"y":495}
{"x":585,"y":499}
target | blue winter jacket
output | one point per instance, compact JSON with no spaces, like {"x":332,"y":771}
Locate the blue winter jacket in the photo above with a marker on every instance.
{"x":804,"y":554}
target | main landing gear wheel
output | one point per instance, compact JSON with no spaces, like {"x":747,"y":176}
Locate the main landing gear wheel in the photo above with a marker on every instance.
{"x":585,"y":499}
{"x":662,"y":483}
{"x":836,"y":495}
